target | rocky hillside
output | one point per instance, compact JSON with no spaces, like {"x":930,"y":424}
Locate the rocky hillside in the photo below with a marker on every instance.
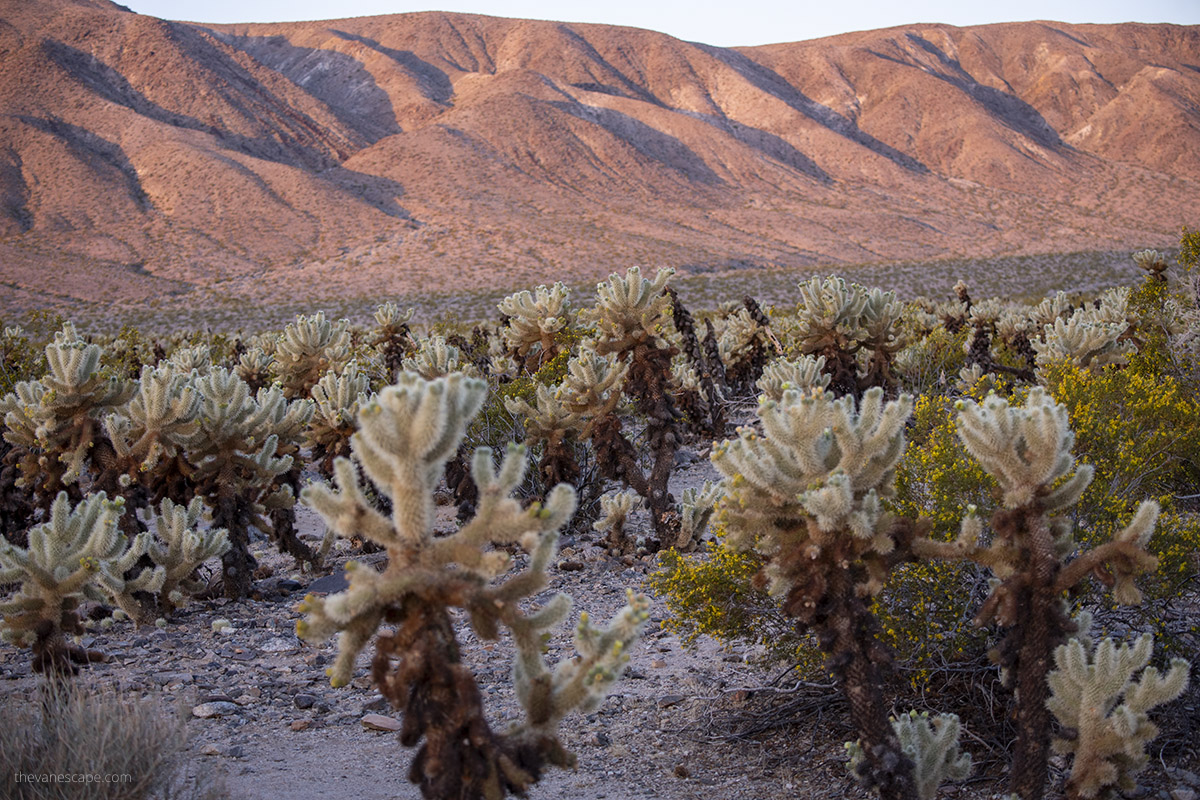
{"x":142,"y":159}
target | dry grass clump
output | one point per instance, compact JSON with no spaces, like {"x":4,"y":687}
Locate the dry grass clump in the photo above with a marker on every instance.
{"x":78,"y":744}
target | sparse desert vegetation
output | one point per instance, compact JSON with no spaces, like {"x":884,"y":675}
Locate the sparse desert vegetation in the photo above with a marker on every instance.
{"x":976,"y":515}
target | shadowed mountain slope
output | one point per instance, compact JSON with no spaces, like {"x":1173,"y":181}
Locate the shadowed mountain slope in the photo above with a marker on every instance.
{"x":390,"y":154}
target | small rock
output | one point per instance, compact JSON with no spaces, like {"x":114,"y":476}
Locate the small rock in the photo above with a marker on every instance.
{"x":658,"y":663}
{"x":216,"y":709}
{"x":288,"y":585}
{"x":601,"y":739}
{"x":570,"y":565}
{"x":280,"y":645}
{"x":237,"y":751}
{"x":681,"y":771}
{"x":215,"y":698}
{"x":378,"y":722}
{"x":210,"y":750}
{"x":377,"y":703}
{"x":301,"y":725}
{"x":1183,"y":793}
{"x":304,"y":700}
{"x":684,"y":456}
{"x":329,"y":584}
{"x":1190,"y":778}
{"x":243,"y":699}
{"x":165,"y":678}
{"x":668,"y":700}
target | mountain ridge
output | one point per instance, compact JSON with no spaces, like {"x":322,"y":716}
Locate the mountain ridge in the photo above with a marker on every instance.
{"x":391,"y":154}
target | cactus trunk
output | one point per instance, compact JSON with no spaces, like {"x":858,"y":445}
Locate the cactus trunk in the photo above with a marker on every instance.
{"x":1042,"y":632}
{"x":847,"y":635}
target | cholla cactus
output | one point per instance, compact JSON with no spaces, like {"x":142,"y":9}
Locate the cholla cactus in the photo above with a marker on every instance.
{"x":1051,"y":309}
{"x":338,"y":399}
{"x":628,"y":317}
{"x":148,"y":437}
{"x":405,"y":439}
{"x":392,"y":336}
{"x":179,"y":547}
{"x":255,"y":367}
{"x":1028,"y":451}
{"x":881,"y":337}
{"x":77,"y":553}
{"x":56,"y":421}
{"x":236,"y":466}
{"x":837,"y":321}
{"x":434,"y":358}
{"x":187,"y":359}
{"x":745,"y":346}
{"x":931,"y":744}
{"x":534,"y":320}
{"x":1095,"y":699}
{"x":696,"y":507}
{"x":805,"y":373}
{"x":615,"y":510}
{"x":702,"y":384}
{"x":1153,"y":262}
{"x":629,"y":310}
{"x":806,"y":493}
{"x":307,"y":349}
{"x":1086,"y":338}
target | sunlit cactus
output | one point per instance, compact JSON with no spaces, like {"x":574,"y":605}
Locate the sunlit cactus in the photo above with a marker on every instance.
{"x":1085,"y":339}
{"x":807,"y":494}
{"x":307,"y":349}
{"x":338,"y":399}
{"x":78,"y":553}
{"x":434,"y":358}
{"x":1153,"y":262}
{"x":392,"y":337}
{"x":629,"y":310}
{"x":696,"y":507}
{"x":255,"y":367}
{"x":534,"y":320}
{"x":615,"y":510}
{"x":1104,"y":712}
{"x":829,"y":324}
{"x":406,"y":436}
{"x":196,"y":358}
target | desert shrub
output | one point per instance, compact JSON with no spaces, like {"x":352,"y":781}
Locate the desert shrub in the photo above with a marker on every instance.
{"x":75,"y":732}
{"x":713,"y":594}
{"x":1140,"y":430}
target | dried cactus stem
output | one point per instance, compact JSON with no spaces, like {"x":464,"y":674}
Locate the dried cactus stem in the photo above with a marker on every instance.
{"x":55,"y":657}
{"x":713,"y":408}
{"x":461,"y":756}
{"x":234,"y":513}
{"x":847,"y":632}
{"x":1043,"y":629}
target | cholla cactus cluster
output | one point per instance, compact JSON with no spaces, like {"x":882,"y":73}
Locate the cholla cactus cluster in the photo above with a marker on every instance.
{"x":534,"y":320}
{"x":931,"y":744}
{"x":839,"y":321}
{"x":307,"y":349}
{"x":406,"y":437}
{"x":77,"y":553}
{"x":806,"y":493}
{"x":55,"y":421}
{"x":805,"y":374}
{"x":337,"y":399}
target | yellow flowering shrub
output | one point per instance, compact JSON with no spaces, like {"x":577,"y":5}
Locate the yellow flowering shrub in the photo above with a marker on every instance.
{"x":1140,"y":430}
{"x":713,"y":594}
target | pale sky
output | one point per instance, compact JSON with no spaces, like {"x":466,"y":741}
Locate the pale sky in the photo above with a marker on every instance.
{"x":726,"y":23}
